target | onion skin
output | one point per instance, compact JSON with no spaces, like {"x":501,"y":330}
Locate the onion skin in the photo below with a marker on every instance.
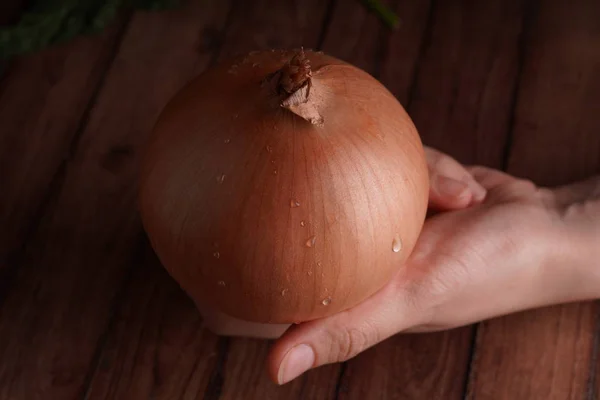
{"x":271,"y":216}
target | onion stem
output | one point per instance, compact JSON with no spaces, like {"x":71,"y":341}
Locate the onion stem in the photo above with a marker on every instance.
{"x":295,"y":74}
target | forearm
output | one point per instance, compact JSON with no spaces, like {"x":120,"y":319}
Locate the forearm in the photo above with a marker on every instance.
{"x":587,"y":258}
{"x":575,"y":263}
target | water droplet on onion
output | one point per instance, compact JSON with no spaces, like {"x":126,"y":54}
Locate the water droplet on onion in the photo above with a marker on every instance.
{"x":326,"y":301}
{"x":310,"y":242}
{"x":269,"y":149}
{"x":274,"y":172}
{"x":222,"y":283}
{"x":396,"y":244}
{"x":294,"y":203}
{"x":302,"y":223}
{"x":283,"y":292}
{"x":220,"y":178}
{"x":216,"y":254}
{"x":227,"y":141}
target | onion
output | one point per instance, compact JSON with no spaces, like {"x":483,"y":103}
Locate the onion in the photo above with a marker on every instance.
{"x":283,"y":186}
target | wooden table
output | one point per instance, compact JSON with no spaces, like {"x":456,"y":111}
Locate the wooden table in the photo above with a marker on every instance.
{"x":86,"y":311}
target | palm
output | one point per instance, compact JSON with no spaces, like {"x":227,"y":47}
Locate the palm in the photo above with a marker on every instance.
{"x":465,"y":256}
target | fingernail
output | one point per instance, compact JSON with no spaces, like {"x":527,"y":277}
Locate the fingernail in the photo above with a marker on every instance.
{"x":451,"y":187}
{"x":296,"y":362}
{"x":479,"y":191}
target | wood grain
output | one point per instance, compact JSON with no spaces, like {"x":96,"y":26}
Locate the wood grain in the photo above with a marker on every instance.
{"x":545,"y":354}
{"x":458,"y":87}
{"x":59,"y":306}
{"x":221,"y":368}
{"x":463,"y":98}
{"x":358,"y":36}
{"x":43,"y":102}
{"x":87,"y":311}
{"x":156,"y":345}
{"x":245,"y":377}
{"x":272,"y":24}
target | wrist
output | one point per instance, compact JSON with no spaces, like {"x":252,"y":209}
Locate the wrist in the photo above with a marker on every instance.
{"x":585,"y":255}
{"x":574,"y":262}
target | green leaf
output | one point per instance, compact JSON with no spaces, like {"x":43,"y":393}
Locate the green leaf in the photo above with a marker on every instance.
{"x":47,"y":22}
{"x":384,"y":13}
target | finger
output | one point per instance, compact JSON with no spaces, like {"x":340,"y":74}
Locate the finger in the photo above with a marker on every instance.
{"x":585,"y":190}
{"x":451,"y":185}
{"x":341,"y":336}
{"x":489,"y":178}
{"x":447,"y":193}
{"x":504,"y":187}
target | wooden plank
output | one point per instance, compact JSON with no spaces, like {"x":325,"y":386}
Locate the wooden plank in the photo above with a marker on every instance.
{"x":60,"y":305}
{"x":43,"y":100}
{"x":463,"y":99}
{"x":272,"y":24}
{"x":545,"y":354}
{"x":245,"y":376}
{"x":461,"y":104}
{"x":156,"y":346}
{"x":229,"y":368}
{"x":357,"y":36}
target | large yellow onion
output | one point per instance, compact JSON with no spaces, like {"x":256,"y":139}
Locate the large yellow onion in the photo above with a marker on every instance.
{"x":283,"y":186}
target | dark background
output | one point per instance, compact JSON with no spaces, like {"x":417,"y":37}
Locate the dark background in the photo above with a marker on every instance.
{"x":86,"y":311}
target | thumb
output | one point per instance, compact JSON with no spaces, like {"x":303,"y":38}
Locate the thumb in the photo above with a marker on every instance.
{"x":341,"y":336}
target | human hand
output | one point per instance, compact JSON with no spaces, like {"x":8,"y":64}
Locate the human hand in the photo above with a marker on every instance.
{"x":524,"y":247}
